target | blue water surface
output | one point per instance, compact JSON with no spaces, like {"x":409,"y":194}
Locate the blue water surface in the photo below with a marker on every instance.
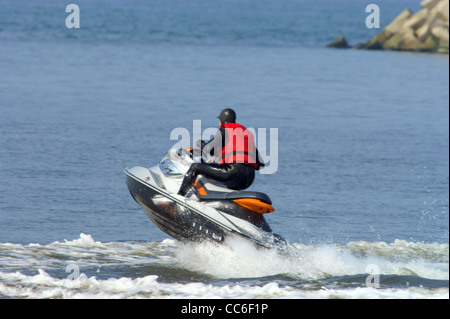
{"x":363,"y":136}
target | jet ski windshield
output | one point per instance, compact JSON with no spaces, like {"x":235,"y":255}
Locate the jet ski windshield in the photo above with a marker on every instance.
{"x":175,"y":161}
{"x":168,"y":168}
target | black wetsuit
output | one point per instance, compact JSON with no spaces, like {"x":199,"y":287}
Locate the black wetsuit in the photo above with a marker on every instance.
{"x":236,"y":176}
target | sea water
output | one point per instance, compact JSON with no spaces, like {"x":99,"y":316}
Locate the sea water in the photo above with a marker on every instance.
{"x":361,"y":186}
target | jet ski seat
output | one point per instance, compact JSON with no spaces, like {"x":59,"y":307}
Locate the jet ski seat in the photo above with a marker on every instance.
{"x":208,"y":191}
{"x":254,"y":201}
{"x":212,"y":195}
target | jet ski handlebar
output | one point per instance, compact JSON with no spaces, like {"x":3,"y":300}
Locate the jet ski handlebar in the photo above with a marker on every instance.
{"x":194,"y":154}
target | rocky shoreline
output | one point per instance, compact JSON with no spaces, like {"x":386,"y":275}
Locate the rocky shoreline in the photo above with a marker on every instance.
{"x":424,"y":31}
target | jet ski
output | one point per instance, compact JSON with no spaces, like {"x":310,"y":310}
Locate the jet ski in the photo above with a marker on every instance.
{"x":209,"y":211}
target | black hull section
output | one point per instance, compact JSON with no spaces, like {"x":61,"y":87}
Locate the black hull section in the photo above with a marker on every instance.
{"x":172,"y":218}
{"x":186,"y":223}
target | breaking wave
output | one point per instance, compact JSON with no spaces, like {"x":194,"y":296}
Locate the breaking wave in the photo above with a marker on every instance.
{"x":85,"y":268}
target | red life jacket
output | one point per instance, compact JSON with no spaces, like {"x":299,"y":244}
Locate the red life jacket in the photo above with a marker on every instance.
{"x":240,"y":145}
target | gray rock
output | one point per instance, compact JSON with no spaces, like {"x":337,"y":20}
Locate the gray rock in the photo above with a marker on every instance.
{"x":339,"y":43}
{"x":424,"y":31}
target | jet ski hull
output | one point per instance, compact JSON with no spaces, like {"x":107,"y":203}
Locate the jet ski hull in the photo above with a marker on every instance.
{"x":186,"y":222}
{"x":173,"y":218}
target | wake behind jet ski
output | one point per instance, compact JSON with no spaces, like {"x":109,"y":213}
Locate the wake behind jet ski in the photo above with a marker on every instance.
{"x":209,"y":210}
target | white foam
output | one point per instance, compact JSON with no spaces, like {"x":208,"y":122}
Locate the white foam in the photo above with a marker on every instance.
{"x":84,"y":240}
{"x":240,"y":259}
{"x":42,"y":285}
{"x":237,"y":259}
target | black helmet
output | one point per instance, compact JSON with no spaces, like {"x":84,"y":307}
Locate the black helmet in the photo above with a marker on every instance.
{"x":227,"y":116}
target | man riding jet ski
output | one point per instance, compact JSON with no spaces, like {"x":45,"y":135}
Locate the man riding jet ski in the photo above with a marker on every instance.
{"x":239,"y":157}
{"x":192,"y":201}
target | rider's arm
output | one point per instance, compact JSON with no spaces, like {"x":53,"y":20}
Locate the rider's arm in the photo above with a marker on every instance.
{"x":214,"y":146}
{"x":259,"y":160}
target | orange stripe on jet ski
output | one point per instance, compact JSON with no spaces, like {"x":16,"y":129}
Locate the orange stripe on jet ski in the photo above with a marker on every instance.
{"x":255,"y":205}
{"x":200,"y":188}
